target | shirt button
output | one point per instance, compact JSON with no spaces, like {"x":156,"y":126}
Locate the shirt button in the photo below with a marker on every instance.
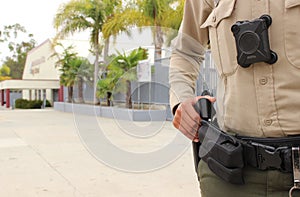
{"x":214,"y":18}
{"x":268,"y":122}
{"x":263,"y":81}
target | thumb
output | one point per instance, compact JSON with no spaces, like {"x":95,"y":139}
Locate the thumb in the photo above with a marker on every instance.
{"x":211,"y":99}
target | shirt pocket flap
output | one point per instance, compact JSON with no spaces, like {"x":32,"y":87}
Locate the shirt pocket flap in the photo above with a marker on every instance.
{"x":222,"y":10}
{"x":291,"y":3}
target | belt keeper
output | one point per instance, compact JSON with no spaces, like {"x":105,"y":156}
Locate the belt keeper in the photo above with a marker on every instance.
{"x":295,"y":190}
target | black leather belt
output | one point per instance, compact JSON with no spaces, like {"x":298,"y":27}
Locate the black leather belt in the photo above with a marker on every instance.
{"x":269,"y":153}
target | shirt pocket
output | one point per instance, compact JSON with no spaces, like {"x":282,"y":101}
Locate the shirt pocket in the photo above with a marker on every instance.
{"x":292,"y":31}
{"x":222,"y":42}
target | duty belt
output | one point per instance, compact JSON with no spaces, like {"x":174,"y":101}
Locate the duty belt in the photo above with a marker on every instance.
{"x":227,"y":155}
{"x":269,"y":153}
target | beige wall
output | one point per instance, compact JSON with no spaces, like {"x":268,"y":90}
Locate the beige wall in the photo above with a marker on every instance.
{"x":39,"y":63}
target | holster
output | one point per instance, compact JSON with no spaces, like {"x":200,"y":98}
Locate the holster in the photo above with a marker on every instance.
{"x":222,"y":153}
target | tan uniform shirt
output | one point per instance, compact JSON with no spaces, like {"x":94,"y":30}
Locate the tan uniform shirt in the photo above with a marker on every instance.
{"x":262,"y":100}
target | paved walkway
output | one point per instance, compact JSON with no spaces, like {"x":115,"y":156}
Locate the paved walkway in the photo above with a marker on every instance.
{"x":41,"y":154}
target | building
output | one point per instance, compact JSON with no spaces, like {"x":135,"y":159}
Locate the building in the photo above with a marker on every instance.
{"x":40,"y":78}
{"x":40,"y":68}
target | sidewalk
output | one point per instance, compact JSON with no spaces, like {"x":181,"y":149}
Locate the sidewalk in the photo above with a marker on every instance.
{"x":41,"y":154}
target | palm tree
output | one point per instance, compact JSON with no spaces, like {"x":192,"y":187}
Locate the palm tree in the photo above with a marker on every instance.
{"x":67,"y":76}
{"x":106,"y":86}
{"x":120,"y":71}
{"x":84,"y":71}
{"x":156,"y":13}
{"x":82,"y":15}
{"x":74,"y":70}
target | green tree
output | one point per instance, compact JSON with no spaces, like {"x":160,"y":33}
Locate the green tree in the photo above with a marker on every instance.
{"x":84,"y":70}
{"x":82,"y":15}
{"x":67,"y":76}
{"x":110,"y":78}
{"x":156,"y":13}
{"x":121,"y":71}
{"x":74,"y":70}
{"x":18,"y":49}
{"x":4,"y":73}
{"x":4,"y":70}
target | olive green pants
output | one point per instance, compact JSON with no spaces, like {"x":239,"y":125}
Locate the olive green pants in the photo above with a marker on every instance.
{"x":270,"y":183}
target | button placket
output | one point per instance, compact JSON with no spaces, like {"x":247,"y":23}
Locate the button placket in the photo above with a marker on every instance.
{"x":264,"y":86}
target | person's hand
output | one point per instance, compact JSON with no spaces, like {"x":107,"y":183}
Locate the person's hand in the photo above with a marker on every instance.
{"x":187,"y":120}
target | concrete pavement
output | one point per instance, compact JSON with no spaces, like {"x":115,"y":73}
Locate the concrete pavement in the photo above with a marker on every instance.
{"x":41,"y":154}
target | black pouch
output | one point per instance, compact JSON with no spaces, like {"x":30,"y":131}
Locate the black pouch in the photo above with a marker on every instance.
{"x":231,"y":175}
{"x":222,"y":152}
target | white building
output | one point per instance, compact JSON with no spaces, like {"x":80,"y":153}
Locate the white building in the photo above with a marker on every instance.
{"x":40,"y":69}
{"x":40,"y":78}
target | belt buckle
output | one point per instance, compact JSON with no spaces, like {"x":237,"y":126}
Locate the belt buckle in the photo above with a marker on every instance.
{"x":268,"y":156}
{"x":295,"y":190}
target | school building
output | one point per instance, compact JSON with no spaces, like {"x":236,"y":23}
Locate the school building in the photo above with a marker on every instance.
{"x":40,"y":78}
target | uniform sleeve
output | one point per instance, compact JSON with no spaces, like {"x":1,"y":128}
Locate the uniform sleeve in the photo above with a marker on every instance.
{"x":188,"y":51}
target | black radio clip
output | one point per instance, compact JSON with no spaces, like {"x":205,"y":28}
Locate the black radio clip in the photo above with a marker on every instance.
{"x":252,"y":41}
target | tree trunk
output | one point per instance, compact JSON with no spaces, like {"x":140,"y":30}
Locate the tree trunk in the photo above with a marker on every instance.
{"x":96,"y":66}
{"x":70,"y":94}
{"x":109,"y":99}
{"x":80,"y":90}
{"x":128,"y":95}
{"x":158,"y":42}
{"x":105,"y":52}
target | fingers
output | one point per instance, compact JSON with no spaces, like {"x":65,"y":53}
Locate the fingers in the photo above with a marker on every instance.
{"x":187,"y":120}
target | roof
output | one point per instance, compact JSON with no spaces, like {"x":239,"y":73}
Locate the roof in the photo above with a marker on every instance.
{"x":29,"y":84}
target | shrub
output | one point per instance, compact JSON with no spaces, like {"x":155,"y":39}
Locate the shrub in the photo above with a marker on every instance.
{"x":21,"y":103}
{"x":34,"y":104}
{"x":48,"y":104}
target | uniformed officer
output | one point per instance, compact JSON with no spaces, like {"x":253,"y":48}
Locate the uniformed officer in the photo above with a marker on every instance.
{"x":262,"y":100}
